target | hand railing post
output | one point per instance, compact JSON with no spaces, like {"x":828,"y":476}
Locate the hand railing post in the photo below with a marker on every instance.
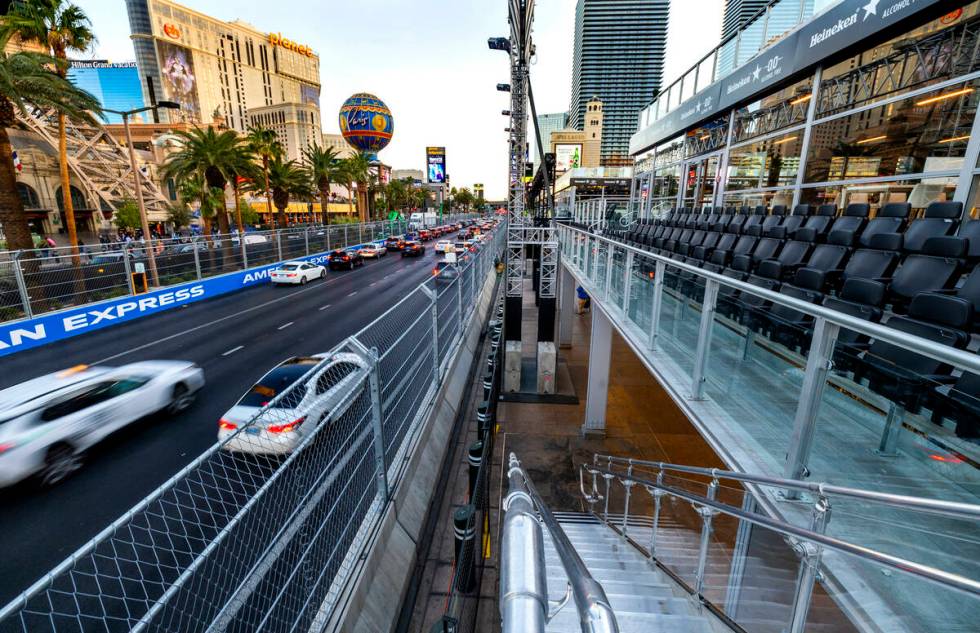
{"x":306,"y":240}
{"x":628,"y":484}
{"x":610,"y":257}
{"x":707,"y":515}
{"x":196,"y":249}
{"x":627,"y":283}
{"x":657,"y":303}
{"x":25,"y":297}
{"x":657,"y":495}
{"x":809,"y":567}
{"x":605,"y":508}
{"x":698,"y":376}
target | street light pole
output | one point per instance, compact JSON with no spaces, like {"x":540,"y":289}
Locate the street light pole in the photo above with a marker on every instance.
{"x":144,"y":222}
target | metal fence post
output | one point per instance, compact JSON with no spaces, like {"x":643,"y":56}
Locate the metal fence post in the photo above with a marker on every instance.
{"x":127,"y":266}
{"x":278,"y":245}
{"x":809,"y":567}
{"x":818,"y":365}
{"x":707,"y":515}
{"x":627,"y":283}
{"x":610,"y":257}
{"x":660,"y":269}
{"x":25,"y":298}
{"x":377,"y":418}
{"x":245,"y":251}
{"x":195,"y":247}
{"x":704,"y":339}
{"x":346,"y":243}
{"x":306,"y":240}
{"x":434,"y":298}
{"x":628,"y":485}
{"x":459,"y":295}
{"x":328,"y":238}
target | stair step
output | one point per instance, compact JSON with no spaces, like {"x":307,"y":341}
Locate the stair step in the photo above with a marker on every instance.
{"x":567,"y":622}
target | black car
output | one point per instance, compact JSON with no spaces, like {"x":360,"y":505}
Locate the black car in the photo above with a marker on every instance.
{"x":445,"y":272}
{"x":340,"y":259}
{"x":394,"y":242}
{"x":413,"y":249}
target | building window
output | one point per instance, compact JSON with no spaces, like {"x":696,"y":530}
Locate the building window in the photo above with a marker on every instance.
{"x":28,"y":196}
{"x":917,"y":192}
{"x":773,"y":162}
{"x":773,"y":112}
{"x":78,"y":201}
{"x":926,"y":133}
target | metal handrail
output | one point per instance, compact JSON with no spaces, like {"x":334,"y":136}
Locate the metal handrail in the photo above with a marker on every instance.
{"x":959,"y":358}
{"x":932,"y":506}
{"x":954,"y":581}
{"x":594,"y":610}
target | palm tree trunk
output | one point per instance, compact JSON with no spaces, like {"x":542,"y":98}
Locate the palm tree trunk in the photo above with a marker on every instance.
{"x":224,"y":229}
{"x":12,"y":216}
{"x":325,"y":205}
{"x":350,"y":199}
{"x":76,"y":262}
{"x":268,"y":191}
{"x":238,"y":208}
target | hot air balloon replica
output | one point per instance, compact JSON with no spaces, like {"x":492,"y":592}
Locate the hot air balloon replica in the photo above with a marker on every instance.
{"x":366,"y":124}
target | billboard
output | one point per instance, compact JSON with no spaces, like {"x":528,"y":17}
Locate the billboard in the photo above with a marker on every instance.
{"x":178,"y":78}
{"x":435,"y":161}
{"x":567,"y":156}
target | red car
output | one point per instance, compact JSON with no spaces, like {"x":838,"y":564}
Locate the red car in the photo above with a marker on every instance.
{"x":425,"y":235}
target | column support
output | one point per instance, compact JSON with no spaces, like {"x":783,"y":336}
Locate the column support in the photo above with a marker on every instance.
{"x":600,"y":354}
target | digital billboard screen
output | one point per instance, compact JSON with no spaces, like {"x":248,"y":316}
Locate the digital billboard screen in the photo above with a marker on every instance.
{"x":179,"y":80}
{"x":567,"y":156}
{"x":435,"y":160}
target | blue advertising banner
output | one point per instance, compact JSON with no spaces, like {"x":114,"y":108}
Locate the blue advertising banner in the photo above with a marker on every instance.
{"x":27,"y":334}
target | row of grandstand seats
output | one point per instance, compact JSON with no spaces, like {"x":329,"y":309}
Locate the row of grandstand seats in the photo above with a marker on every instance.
{"x":918,"y":275}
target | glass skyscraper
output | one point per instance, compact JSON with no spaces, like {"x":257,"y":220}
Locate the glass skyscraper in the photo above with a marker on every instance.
{"x":116,"y":86}
{"x":618,"y":59}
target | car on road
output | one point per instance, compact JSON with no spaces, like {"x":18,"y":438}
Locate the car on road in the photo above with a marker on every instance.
{"x":394,"y":242}
{"x":445,"y":272}
{"x":296,"y":273}
{"x":288,"y":403}
{"x":373,"y":251}
{"x":425,"y":235}
{"x":443,"y":246}
{"x":344,"y":258}
{"x":48,"y":423}
{"x":413,"y":249}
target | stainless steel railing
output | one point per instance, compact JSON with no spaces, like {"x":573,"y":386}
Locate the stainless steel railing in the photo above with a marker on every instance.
{"x":524,"y":605}
{"x":811,"y":541}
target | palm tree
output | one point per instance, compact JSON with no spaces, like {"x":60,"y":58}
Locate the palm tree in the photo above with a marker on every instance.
{"x":346,"y":179}
{"x":323,"y":170}
{"x":27,"y":82}
{"x":242,"y":171}
{"x":216,"y":157}
{"x":265,"y":145}
{"x":359,"y":171}
{"x":62,"y":28}
{"x":287,"y":178}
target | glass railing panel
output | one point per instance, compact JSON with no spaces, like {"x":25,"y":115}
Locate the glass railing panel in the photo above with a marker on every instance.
{"x":616,"y":292}
{"x":680,"y":316}
{"x":600,"y":257}
{"x":641,"y":293}
{"x":755,"y":382}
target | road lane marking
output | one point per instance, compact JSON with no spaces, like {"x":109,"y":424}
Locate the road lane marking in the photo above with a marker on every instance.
{"x":233,"y":350}
{"x":285,"y":325}
{"x":324,"y":307}
{"x":373,"y":285}
{"x":352,"y":294}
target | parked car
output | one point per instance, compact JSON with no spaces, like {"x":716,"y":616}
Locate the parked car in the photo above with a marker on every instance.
{"x":48,"y":423}
{"x":413,"y":249}
{"x":344,"y":258}
{"x":296,"y":273}
{"x":373,"y":251}
{"x":264,"y":421}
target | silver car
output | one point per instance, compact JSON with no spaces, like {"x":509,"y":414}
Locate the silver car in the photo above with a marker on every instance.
{"x":47,"y":424}
{"x":287,"y":403}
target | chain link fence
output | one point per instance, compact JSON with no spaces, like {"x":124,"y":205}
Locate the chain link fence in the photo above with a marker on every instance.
{"x":262,"y":532}
{"x":44,"y":280}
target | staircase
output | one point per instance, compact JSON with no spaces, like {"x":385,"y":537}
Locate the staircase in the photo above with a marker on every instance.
{"x":644,"y":598}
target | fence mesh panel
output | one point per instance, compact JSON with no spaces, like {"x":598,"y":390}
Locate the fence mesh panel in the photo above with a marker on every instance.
{"x":263,"y":531}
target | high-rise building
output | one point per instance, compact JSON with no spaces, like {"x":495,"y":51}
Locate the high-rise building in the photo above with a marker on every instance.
{"x":339,"y":144}
{"x":737,"y":14}
{"x":547,"y":123}
{"x":297,"y":125}
{"x":618,"y":58}
{"x":216,"y":70}
{"x":116,"y":86}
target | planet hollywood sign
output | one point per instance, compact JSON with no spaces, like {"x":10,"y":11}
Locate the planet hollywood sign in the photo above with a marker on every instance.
{"x":276,"y":39}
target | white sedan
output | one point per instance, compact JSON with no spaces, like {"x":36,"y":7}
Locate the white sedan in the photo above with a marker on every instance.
{"x":444,"y":246}
{"x":288,"y":402}
{"x":373,"y":251}
{"x":47,"y":424}
{"x":297,"y":273}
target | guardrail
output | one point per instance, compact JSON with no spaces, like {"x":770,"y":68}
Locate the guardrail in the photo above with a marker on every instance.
{"x":263,"y":531}
{"x":33,"y":283}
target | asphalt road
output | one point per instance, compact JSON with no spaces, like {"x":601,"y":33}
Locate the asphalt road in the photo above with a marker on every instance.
{"x":235,"y":339}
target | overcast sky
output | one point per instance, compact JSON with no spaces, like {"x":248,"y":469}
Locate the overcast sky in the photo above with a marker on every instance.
{"x":429,"y":61}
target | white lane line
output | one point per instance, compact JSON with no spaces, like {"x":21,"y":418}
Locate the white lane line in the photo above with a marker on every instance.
{"x":352,"y":294}
{"x":373,"y":285}
{"x":233,"y":350}
{"x":285,"y":325}
{"x":324,"y":307}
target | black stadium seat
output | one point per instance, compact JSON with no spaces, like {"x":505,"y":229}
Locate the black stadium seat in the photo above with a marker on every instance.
{"x":960,"y":402}
{"x":889,"y":219}
{"x":937,"y":268}
{"x":847,"y":228}
{"x":792,"y":223}
{"x":940,"y":220}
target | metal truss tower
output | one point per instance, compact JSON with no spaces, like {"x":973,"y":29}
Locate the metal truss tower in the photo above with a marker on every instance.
{"x":100,"y":163}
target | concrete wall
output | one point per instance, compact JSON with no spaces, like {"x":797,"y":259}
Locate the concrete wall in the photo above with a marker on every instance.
{"x":371,"y":604}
